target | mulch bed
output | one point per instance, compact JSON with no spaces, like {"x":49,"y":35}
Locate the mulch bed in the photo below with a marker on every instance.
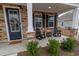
{"x":44,"y":52}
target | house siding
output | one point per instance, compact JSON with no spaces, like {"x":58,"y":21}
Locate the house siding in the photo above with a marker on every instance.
{"x":3,"y":34}
{"x":24,"y":19}
{"x":23,"y":11}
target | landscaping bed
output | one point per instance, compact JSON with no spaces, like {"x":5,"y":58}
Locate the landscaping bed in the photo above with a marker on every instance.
{"x":68,"y":47}
{"x":44,"y":52}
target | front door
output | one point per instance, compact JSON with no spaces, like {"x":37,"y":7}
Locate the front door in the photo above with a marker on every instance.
{"x":14,"y":24}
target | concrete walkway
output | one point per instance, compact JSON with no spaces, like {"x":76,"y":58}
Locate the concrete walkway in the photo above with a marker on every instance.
{"x":7,"y":49}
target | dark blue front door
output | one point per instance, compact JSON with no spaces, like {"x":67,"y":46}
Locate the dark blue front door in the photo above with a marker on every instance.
{"x":14,"y":25}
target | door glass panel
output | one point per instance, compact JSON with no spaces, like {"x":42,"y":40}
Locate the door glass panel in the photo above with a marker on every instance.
{"x":14,"y":20}
{"x":10,"y":12}
{"x":15,"y":12}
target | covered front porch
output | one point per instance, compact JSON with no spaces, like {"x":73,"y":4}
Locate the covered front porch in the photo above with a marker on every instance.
{"x":45,"y":17}
{"x":20,"y":21}
{"x":33,"y":16}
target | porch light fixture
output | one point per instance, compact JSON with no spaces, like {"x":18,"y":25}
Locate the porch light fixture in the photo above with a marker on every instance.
{"x":49,"y":7}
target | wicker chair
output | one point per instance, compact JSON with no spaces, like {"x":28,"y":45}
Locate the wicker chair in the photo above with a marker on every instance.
{"x":48,"y":33}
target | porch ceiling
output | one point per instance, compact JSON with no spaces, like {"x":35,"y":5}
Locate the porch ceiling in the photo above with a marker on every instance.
{"x":55,"y":7}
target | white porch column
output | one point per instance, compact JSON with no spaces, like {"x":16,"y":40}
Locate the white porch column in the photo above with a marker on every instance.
{"x":75,"y":18}
{"x":30,"y":31}
{"x":75,"y":22}
{"x":30,"y":17}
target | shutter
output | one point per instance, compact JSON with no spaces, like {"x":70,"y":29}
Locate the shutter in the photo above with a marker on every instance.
{"x":43,"y":15}
{"x":55,"y":25}
{"x":33,"y":21}
{"x":55,"y":21}
{"x":46,"y":20}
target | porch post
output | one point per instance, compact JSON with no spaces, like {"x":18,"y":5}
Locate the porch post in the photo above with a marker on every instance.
{"x":75,"y":22}
{"x":30,"y":18}
{"x":75,"y":18}
{"x":30,"y":31}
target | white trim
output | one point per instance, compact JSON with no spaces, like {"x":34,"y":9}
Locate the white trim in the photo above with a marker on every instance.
{"x":72,"y":4}
{"x":4,"y":6}
{"x":30,"y":17}
{"x":64,"y":13}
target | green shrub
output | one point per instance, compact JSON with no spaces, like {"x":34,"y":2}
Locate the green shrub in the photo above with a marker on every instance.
{"x":33,"y":48}
{"x":54,"y":47}
{"x":68,"y":44}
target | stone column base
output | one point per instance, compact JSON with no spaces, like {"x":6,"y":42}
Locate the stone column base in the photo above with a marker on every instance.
{"x":30,"y":35}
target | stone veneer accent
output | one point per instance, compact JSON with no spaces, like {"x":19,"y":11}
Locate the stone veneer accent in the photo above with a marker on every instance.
{"x":67,"y":32}
{"x":23,"y":11}
{"x":30,"y":35}
{"x":2,"y":25}
{"x":24,"y":21}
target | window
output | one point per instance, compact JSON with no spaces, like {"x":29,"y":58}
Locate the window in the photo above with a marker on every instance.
{"x":62,"y":23}
{"x":38,"y":21}
{"x":51,"y":21}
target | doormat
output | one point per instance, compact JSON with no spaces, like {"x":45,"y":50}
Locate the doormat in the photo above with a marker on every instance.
{"x":15,"y":42}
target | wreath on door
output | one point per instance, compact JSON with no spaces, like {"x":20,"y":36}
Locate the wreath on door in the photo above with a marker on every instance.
{"x":14,"y":22}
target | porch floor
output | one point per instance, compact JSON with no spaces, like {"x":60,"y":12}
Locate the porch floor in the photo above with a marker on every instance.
{"x":7,"y":49}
